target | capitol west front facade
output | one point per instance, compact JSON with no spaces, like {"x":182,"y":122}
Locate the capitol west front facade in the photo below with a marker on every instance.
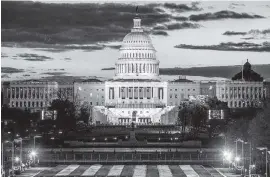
{"x":136,"y":94}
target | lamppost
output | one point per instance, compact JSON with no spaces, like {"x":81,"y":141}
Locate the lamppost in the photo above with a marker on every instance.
{"x":266,"y":160}
{"x":37,"y":136}
{"x":12,"y":155}
{"x":250,"y":156}
{"x":242,"y":154}
{"x":227,"y":156}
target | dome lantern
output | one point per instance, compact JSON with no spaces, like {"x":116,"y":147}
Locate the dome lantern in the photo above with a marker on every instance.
{"x":137,"y":25}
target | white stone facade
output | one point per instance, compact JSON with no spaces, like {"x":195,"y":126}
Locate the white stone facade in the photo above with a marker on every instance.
{"x":179,"y":91}
{"x":33,"y":95}
{"x":241,"y":94}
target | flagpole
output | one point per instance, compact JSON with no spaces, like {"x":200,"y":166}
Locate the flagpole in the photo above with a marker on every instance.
{"x":242,"y":71}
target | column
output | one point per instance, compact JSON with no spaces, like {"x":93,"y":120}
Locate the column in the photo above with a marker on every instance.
{"x":15,"y":92}
{"x":27,"y":93}
{"x":19,"y":94}
{"x":23,"y":90}
{"x":143,"y":68}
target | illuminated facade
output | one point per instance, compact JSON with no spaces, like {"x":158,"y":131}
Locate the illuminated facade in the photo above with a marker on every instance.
{"x":136,"y":93}
{"x":32,"y":95}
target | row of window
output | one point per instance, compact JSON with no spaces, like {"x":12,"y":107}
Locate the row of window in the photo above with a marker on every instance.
{"x":243,"y":96}
{"x":138,"y":55}
{"x":176,"y":96}
{"x":96,"y":89}
{"x":147,"y":42}
{"x":137,"y":68}
{"x":182,"y":90}
{"x":141,"y":112}
{"x":243,"y":104}
{"x":243,"y":88}
{"x":29,"y":104}
{"x":31,"y":93}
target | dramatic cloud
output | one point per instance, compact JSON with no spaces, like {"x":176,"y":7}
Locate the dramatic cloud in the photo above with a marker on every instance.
{"x":67,"y":59}
{"x":111,"y":68}
{"x":230,"y":46}
{"x":55,"y":73}
{"x":72,"y":23}
{"x":177,"y":26}
{"x":230,"y":33}
{"x":180,"y":18}
{"x":10,"y":70}
{"x":160,"y":27}
{"x":34,"y":57}
{"x":183,"y":25}
{"x":182,"y":7}
{"x":3,"y":55}
{"x":162,"y":33}
{"x":251,"y":32}
{"x":222,"y":15}
{"x":5,"y":76}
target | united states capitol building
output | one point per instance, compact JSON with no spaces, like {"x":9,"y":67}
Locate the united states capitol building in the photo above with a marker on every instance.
{"x":136,"y":93}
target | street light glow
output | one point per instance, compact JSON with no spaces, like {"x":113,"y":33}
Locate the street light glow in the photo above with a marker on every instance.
{"x":33,"y":153}
{"x":227,"y":155}
{"x":17,"y":159}
{"x":237,"y":159}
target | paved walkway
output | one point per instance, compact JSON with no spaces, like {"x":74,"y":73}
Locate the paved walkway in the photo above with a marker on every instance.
{"x":125,"y":170}
{"x":33,"y":171}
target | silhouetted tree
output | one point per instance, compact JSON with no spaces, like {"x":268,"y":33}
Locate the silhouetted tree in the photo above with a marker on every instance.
{"x":259,"y":127}
{"x":85,"y":112}
{"x":66,"y":113}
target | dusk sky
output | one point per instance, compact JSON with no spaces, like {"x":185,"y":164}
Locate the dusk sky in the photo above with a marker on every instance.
{"x":45,"y":39}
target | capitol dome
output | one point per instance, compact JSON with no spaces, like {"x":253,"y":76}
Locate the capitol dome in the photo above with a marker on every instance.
{"x":137,"y":58}
{"x":137,"y":39}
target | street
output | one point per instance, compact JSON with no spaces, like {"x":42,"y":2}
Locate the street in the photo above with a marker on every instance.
{"x":127,"y":171}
